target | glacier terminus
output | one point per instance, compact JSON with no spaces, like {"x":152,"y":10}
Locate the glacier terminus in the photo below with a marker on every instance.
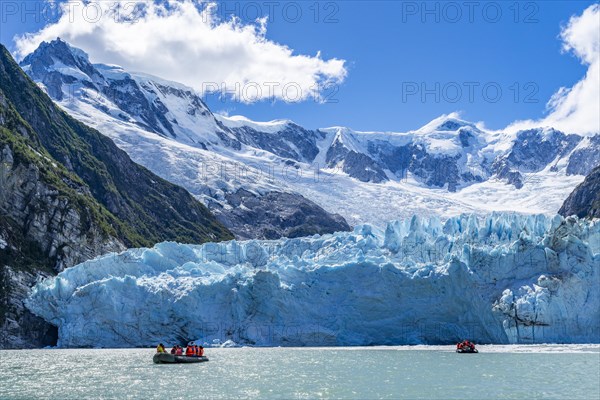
{"x":503,"y":278}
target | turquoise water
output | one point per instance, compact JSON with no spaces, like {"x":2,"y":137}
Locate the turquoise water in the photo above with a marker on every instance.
{"x":497,"y":372}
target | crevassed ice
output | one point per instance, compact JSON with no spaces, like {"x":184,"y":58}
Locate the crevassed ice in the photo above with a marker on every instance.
{"x":506,"y":278}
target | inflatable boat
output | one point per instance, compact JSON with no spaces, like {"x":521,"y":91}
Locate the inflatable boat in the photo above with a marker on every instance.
{"x":466,"y":347}
{"x":166,"y":358}
{"x":467,"y":350}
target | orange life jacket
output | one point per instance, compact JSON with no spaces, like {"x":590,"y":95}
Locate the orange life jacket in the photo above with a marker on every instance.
{"x":189,"y":351}
{"x":201,"y":351}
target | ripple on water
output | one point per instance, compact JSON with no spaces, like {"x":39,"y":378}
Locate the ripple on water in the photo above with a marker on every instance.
{"x":548,"y":371}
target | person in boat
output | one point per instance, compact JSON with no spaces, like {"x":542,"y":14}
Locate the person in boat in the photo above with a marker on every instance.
{"x":179,"y":351}
{"x":200,"y":351}
{"x":465,"y":345}
{"x":189,"y":351}
{"x":174,"y":350}
{"x":161,"y":348}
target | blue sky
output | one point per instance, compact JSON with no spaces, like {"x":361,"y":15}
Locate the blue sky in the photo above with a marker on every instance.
{"x":395,"y":50}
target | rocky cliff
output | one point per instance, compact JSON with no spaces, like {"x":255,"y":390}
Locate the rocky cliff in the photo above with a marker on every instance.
{"x":585,"y":199}
{"x":67,"y":194}
{"x":166,"y":114}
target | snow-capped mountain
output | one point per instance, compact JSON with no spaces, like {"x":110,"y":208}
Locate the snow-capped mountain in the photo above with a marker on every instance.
{"x":260,"y":174}
{"x":167,"y":128}
{"x":68,"y":194}
{"x":154,"y":105}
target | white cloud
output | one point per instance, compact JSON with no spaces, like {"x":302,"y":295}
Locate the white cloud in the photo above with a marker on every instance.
{"x":576,"y":109}
{"x":184,"y":41}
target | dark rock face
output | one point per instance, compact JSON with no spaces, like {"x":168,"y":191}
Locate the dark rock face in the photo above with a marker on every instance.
{"x":533,"y":150}
{"x":398,"y":159}
{"x":53,"y":80}
{"x":584,"y":201}
{"x":584,"y":159}
{"x":293,"y":141}
{"x":128,"y":96}
{"x":154,"y":208}
{"x":276,"y":214}
{"x":357,"y":165}
{"x":19,"y":328}
{"x":438,"y":171}
{"x":450,"y":125}
{"x":41,"y":232}
{"x":67,"y":194}
{"x":504,"y":171}
{"x":363,"y":168}
{"x":36,"y":214}
{"x":139,"y":99}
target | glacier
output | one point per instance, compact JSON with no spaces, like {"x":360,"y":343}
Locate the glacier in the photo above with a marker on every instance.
{"x":502,"y":278}
{"x":447,"y":167}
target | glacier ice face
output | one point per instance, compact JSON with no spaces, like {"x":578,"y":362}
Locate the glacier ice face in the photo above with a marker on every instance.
{"x":505,"y":278}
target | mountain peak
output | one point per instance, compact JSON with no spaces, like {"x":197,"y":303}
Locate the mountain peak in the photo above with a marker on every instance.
{"x":446,"y":123}
{"x":452,"y":124}
{"x":59,"y":51}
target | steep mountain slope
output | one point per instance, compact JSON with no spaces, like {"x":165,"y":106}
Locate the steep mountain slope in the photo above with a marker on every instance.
{"x":447,"y":167}
{"x":585,"y":199}
{"x":154,"y":208}
{"x":48,"y":221}
{"x":67,"y":194}
{"x":175,"y":116}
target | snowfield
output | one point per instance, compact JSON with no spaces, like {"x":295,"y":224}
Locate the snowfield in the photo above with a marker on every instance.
{"x":445,"y":168}
{"x":505,"y":279}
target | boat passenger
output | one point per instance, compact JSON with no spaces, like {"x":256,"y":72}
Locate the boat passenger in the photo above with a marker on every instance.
{"x":174,"y":350}
{"x":160,"y":348}
{"x":189,"y":351}
{"x":200,"y":351}
{"x":179,"y":351}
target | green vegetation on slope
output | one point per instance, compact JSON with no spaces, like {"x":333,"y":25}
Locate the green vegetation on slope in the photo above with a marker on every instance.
{"x":140,"y":208}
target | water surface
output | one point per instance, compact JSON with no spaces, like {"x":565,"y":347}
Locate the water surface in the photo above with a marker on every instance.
{"x":497,"y":372}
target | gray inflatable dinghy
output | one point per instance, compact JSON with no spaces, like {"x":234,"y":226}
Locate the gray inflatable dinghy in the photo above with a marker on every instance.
{"x":166,"y":358}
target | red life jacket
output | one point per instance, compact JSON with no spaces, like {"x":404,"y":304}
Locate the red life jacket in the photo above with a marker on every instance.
{"x":189,"y":351}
